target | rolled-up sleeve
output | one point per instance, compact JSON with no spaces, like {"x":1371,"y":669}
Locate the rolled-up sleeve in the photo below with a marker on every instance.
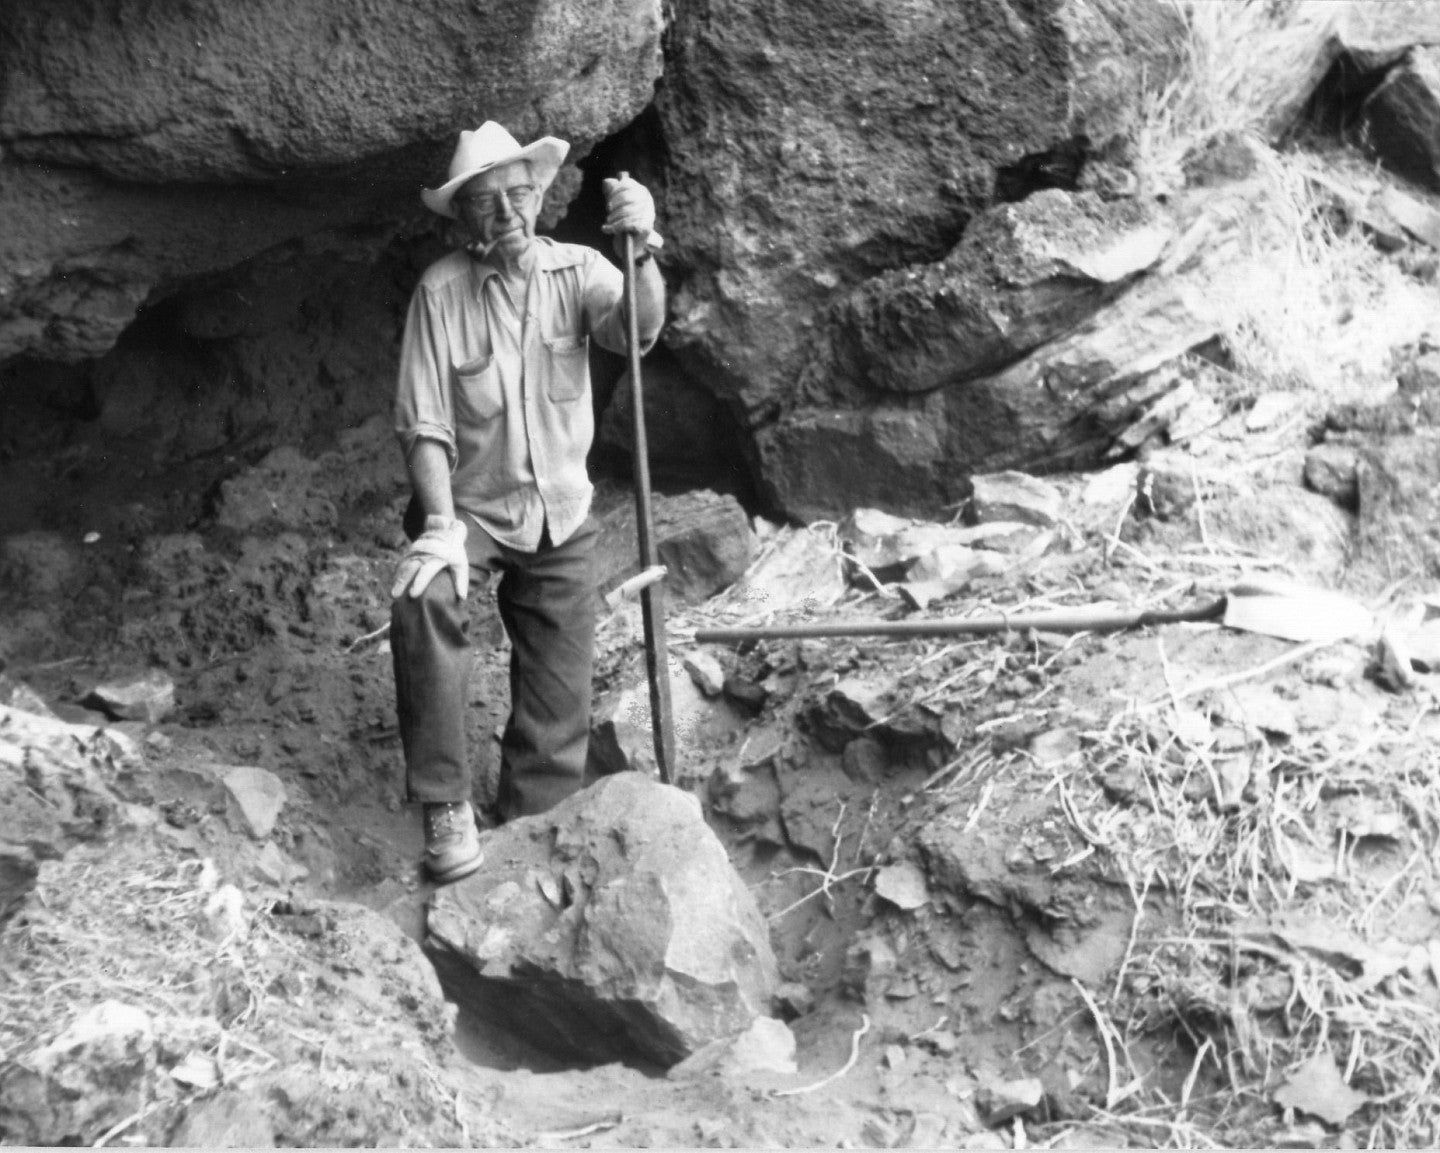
{"x":604,"y":302}
{"x":423,"y":408}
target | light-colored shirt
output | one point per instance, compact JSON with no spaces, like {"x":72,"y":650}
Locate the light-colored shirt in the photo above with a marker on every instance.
{"x":504,"y":385}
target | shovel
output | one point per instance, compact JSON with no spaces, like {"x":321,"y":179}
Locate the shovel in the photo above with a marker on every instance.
{"x":1266,"y":606}
{"x":652,"y":596}
{"x":1279,"y":608}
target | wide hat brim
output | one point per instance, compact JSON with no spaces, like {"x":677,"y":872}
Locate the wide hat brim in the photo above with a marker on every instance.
{"x":546,"y":155}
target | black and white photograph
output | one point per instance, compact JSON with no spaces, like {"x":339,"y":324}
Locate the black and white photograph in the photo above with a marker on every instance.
{"x":720,"y":574}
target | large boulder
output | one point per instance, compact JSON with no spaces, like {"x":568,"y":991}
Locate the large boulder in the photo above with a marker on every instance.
{"x":1022,"y":275}
{"x":1132,"y":364}
{"x":144,"y":145}
{"x":817,"y":191}
{"x":1044,"y":412}
{"x":610,"y":928}
{"x":812,"y":147}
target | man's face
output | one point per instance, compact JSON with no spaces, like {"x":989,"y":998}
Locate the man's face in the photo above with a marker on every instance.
{"x":500,"y":207}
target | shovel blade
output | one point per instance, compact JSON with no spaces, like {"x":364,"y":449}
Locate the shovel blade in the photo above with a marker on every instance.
{"x":1294,"y":612}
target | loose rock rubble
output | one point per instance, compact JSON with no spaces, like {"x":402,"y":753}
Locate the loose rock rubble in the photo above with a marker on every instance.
{"x":613,"y":927}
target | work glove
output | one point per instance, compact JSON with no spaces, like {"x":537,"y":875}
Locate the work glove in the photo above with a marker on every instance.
{"x":440,"y":546}
{"x":630,"y":208}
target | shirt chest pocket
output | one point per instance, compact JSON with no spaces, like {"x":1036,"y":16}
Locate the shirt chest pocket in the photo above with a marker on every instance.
{"x":567,"y":368}
{"x":478,"y":396}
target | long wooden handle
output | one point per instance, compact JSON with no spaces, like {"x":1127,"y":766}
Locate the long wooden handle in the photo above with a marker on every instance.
{"x":1060,"y":621}
{"x":652,"y":598}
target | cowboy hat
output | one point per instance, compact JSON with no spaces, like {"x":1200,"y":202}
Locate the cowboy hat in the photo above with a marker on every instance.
{"x":485,"y":148}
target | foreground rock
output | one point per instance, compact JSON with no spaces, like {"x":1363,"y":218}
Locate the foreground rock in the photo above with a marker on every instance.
{"x":611,"y":928}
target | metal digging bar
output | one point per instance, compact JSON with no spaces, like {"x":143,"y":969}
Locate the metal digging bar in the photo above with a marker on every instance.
{"x":652,"y":597}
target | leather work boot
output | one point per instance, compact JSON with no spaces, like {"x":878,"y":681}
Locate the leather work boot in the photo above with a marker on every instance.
{"x":452,"y":843}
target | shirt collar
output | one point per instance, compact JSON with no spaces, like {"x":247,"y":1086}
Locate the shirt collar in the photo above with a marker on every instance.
{"x":552,"y":256}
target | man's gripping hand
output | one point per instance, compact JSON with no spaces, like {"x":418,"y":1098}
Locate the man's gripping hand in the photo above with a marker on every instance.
{"x":630,"y":208}
{"x":441,"y":546}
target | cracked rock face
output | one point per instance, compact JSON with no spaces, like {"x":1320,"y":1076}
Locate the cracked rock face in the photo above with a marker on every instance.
{"x":613,"y":926}
{"x":815,"y":147}
{"x":800,"y":153}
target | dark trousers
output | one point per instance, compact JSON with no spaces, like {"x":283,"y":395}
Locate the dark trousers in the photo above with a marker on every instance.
{"x":546,"y":601}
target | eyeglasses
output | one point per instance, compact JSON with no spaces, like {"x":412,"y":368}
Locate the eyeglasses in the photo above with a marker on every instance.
{"x":487,"y":204}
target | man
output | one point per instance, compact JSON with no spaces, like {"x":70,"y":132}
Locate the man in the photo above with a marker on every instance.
{"x":494,"y":416}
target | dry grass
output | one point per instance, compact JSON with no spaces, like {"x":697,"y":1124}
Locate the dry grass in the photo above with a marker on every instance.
{"x":1280,"y":915}
{"x":1281,"y":924}
{"x":1283,"y":887}
{"x":237,"y":998}
{"x":1242,"y":62}
{"x":162,"y":935}
{"x":1311,"y":302}
{"x":153,"y":933}
{"x":1321,"y":307}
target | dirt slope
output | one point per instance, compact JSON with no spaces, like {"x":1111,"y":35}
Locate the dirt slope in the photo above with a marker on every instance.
{"x":1055,"y":889}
